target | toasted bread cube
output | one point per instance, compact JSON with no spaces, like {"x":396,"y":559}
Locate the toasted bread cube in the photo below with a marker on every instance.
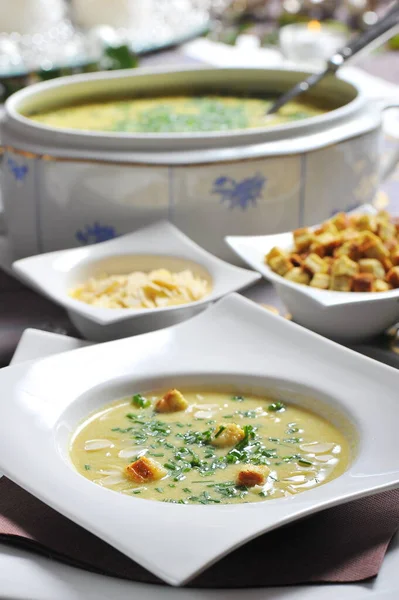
{"x":366,"y":223}
{"x":296,"y":260}
{"x":328,"y":241}
{"x":144,"y":470}
{"x":252,"y":475}
{"x":327,"y":226}
{"x":227,"y":435}
{"x":317,"y":248}
{"x":395,"y":256}
{"x":395,"y":221}
{"x":349,"y":249}
{"x":381,"y":286}
{"x":372,"y":265}
{"x":315,"y":264}
{"x":386,"y":231}
{"x":280,"y":265}
{"x":341,"y":283}
{"x":363,"y":282}
{"x":349,"y":234}
{"x":383,"y":215}
{"x":344,"y":266}
{"x":372,"y":247}
{"x":298,"y":275}
{"x":340,"y":221}
{"x":275,"y":252}
{"x":321,"y":281}
{"x":302,"y":239}
{"x":386,"y":263}
{"x":172,"y":401}
{"x":393,"y":277}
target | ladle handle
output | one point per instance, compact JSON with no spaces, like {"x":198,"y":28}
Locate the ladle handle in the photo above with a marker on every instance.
{"x":383,"y":27}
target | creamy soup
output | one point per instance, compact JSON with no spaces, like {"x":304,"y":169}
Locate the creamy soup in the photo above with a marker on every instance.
{"x":174,"y":114}
{"x":208,"y":448}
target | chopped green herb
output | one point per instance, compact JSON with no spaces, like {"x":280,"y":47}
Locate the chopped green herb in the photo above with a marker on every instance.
{"x":172,"y":485}
{"x":156,"y":454}
{"x":87,"y":467}
{"x":170,"y":466}
{"x":141,"y":402}
{"x":238,"y":398}
{"x":221,"y":429}
{"x":304,"y":462}
{"x":277,"y":407}
{"x":159,"y":490}
{"x":187,"y":490}
{"x":136,"y":491}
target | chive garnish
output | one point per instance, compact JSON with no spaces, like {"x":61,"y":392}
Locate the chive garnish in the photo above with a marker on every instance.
{"x":221,"y":429}
{"x":303,"y":461}
{"x":87,"y":467}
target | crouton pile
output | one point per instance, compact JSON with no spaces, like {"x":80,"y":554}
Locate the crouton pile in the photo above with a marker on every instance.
{"x":357,"y":253}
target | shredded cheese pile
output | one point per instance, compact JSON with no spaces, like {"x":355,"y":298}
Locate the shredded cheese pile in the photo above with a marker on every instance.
{"x":156,"y":289}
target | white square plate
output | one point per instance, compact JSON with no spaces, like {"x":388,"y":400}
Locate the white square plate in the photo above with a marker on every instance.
{"x":235,"y":342}
{"x":160,"y":245}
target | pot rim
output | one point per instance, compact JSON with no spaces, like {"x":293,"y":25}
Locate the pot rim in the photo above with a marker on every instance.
{"x":21,"y":133}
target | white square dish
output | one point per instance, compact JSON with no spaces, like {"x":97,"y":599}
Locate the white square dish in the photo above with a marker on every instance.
{"x":343,"y":316}
{"x":235,"y":342}
{"x":160,"y":245}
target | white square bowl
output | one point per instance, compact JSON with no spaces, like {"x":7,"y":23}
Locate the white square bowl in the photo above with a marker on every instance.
{"x":342,"y":316}
{"x":156,"y":246}
{"x":236,"y":343}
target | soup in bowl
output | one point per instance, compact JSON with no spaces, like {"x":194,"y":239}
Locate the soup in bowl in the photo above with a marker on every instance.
{"x":208,"y":447}
{"x":174,"y":114}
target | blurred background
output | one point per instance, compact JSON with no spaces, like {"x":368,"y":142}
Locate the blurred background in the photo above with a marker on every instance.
{"x":42,"y":39}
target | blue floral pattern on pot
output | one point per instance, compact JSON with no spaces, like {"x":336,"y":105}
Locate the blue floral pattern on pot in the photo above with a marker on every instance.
{"x":93,"y":234}
{"x":241,"y":194}
{"x":19,"y":171}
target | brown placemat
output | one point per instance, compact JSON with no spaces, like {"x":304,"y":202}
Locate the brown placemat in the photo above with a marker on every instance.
{"x":339,"y":545}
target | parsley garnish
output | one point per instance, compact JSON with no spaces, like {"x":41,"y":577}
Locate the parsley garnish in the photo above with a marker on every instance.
{"x":141,"y":402}
{"x":277,"y":407}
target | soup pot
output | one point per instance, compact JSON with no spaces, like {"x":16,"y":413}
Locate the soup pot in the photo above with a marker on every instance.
{"x":65,"y":188}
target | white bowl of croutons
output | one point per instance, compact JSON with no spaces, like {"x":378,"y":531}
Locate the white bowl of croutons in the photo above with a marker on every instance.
{"x":340,"y":278}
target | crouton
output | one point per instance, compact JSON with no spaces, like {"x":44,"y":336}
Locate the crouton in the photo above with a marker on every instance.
{"x":298,"y":275}
{"x":302,"y":239}
{"x":372,"y":265}
{"x":320,"y":281}
{"x":327,"y":226}
{"x":341,"y":283}
{"x":340,"y":221}
{"x":227,"y":435}
{"x":328,"y":241}
{"x":315,"y":264}
{"x":366,"y":223}
{"x":344,"y":266}
{"x":350,"y":249}
{"x":144,"y":470}
{"x":252,"y":475}
{"x":386,"y":231}
{"x":393,"y":277}
{"x":280,"y":265}
{"x":275,"y":253}
{"x":381,"y":286}
{"x":363,"y":282}
{"x":296,"y":260}
{"x":395,"y":256}
{"x":172,"y":401}
{"x":372,"y":247}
